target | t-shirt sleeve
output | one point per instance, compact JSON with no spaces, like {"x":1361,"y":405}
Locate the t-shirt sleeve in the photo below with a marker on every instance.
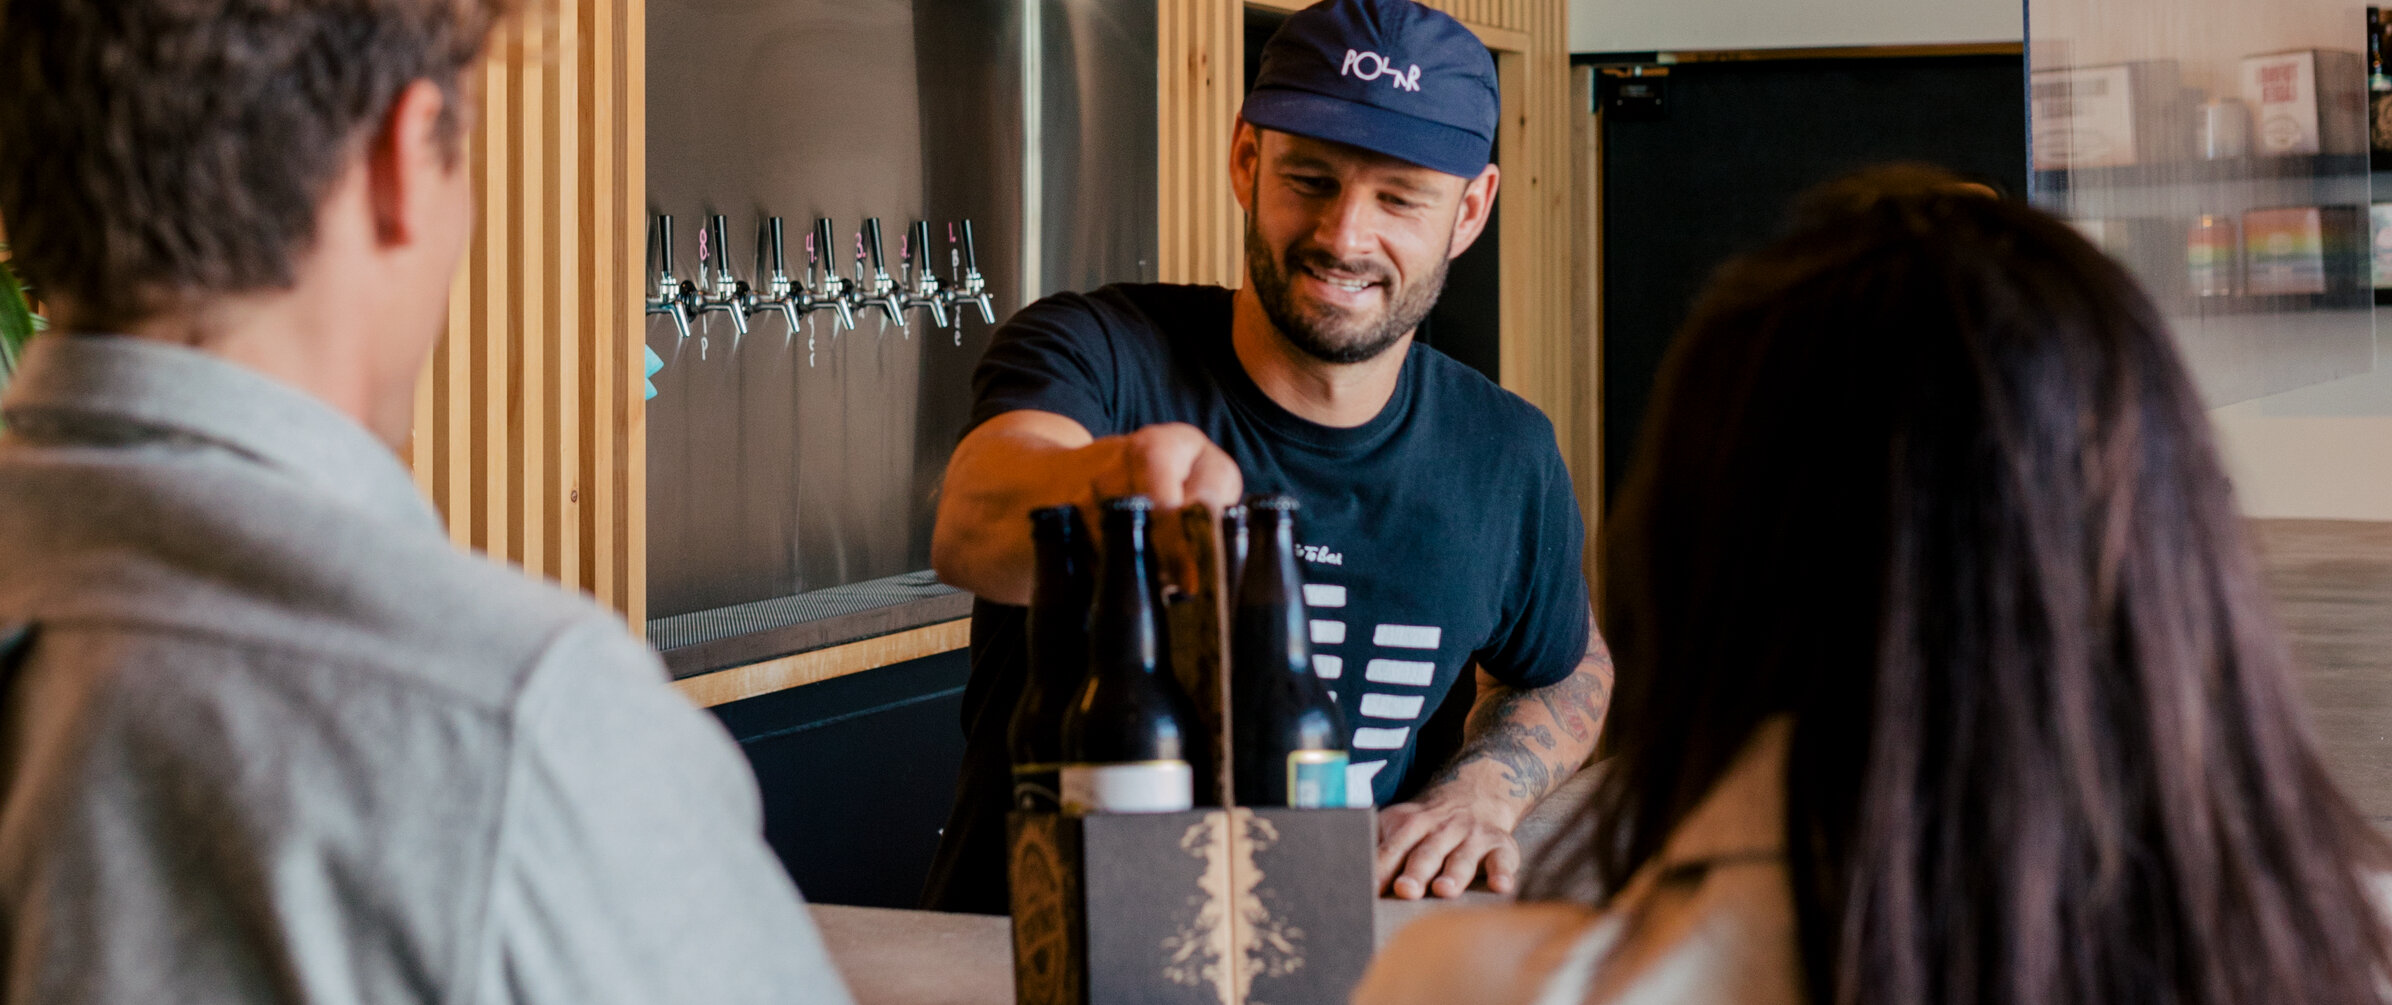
{"x":631,"y":864}
{"x":1055,"y":355}
{"x":1544,"y":635}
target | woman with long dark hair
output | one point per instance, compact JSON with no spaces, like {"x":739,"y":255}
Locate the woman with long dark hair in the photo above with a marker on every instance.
{"x":1945,"y":673}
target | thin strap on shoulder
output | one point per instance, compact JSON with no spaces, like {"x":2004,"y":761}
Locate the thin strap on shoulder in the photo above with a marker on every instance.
{"x":1575,"y":976}
{"x":16,"y":638}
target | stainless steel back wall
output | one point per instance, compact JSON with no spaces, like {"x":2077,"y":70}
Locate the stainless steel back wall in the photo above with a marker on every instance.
{"x":770,"y":476}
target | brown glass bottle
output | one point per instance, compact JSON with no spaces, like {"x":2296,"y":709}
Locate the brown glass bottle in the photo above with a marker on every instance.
{"x":1064,"y":577}
{"x":1131,"y":743}
{"x":1289,"y":737}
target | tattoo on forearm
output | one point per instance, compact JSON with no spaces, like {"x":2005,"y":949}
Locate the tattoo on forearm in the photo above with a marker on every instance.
{"x":1494,"y":738}
{"x":1506,"y":728}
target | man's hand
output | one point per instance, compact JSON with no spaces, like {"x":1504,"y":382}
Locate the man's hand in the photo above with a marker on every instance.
{"x":1174,"y":464}
{"x":1516,"y":746}
{"x":1026,"y":460}
{"x":1438,"y":843}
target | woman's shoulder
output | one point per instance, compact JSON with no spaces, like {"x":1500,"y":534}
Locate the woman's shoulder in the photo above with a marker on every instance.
{"x":1489,"y":954}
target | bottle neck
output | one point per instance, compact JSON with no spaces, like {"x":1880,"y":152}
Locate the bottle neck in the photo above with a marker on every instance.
{"x":1122,"y":630}
{"x":1054,"y":546}
{"x":1271,"y":599}
{"x":1270,"y":575}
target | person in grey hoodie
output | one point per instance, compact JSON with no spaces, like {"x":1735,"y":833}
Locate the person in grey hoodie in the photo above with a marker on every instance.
{"x":265,"y":734}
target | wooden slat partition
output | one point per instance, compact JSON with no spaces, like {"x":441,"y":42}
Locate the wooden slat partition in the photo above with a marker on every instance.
{"x":1203,"y":56}
{"x":1544,"y":354}
{"x":530,"y":428}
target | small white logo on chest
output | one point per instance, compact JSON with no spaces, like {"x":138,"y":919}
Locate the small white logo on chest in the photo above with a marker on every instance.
{"x":1319,"y":555}
{"x":1371,"y":66}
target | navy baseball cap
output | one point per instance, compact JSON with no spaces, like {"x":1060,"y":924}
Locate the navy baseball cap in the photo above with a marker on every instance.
{"x":1389,"y":76}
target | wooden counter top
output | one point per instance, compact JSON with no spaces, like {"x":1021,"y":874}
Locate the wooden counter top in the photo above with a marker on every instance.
{"x":892,"y":957}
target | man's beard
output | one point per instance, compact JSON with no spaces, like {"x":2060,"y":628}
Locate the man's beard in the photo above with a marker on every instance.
{"x":1326,"y":333}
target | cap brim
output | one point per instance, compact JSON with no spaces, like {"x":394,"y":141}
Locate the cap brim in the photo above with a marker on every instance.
{"x":1433,"y":145}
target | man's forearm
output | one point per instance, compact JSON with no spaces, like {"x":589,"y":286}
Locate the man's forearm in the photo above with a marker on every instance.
{"x":1518,"y":744}
{"x":998,"y":474}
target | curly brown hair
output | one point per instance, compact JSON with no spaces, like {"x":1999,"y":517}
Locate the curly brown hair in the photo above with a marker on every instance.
{"x":157,"y":151}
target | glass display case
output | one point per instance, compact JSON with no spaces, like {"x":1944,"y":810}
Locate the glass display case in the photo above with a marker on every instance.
{"x":2228,"y":152}
{"x":2219,"y":148}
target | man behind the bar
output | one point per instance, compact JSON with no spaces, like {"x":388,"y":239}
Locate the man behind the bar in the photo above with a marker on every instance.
{"x":266,"y":735}
{"x":1439,"y":529}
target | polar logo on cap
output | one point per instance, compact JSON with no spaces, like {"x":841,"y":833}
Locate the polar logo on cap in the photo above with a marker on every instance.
{"x":1371,"y":66}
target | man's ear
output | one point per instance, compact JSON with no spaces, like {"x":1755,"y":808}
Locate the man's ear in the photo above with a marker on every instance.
{"x":1245,"y":163}
{"x":1478,"y":204}
{"x":404,"y":157}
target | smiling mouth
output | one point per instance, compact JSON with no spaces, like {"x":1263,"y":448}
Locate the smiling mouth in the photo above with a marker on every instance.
{"x":1341,"y":283}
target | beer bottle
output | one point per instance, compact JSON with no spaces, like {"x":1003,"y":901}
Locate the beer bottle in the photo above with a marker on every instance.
{"x":1131,"y":741}
{"x":1058,"y":655}
{"x":1289,"y":737}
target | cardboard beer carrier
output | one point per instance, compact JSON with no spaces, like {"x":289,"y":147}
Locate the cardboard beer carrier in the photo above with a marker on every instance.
{"x":1214,"y":906}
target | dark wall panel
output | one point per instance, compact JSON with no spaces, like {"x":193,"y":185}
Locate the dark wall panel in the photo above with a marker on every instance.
{"x":857,"y":773}
{"x":1715,"y":175}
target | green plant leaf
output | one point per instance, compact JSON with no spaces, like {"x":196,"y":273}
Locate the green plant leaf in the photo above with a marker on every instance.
{"x":17,"y":321}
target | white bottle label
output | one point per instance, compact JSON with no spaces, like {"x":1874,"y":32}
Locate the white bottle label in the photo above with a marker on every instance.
{"x":1143,"y":787}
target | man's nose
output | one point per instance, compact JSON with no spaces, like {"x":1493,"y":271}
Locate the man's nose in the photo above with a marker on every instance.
{"x":1344,"y":228}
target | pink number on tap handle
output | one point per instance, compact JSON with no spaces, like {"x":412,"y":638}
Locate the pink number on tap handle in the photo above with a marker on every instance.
{"x":701,"y":245}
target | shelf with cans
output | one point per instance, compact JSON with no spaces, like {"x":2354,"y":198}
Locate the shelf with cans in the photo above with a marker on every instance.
{"x":2250,"y":203}
{"x":716,"y":289}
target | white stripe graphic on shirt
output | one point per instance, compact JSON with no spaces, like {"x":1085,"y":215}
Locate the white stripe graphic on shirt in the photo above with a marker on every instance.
{"x":1392,"y":706}
{"x":1328,"y":667}
{"x":1408,"y":636}
{"x":1358,"y":776}
{"x":1409,"y":672}
{"x":1328,"y":633}
{"x":1323,"y":595}
{"x":1379,"y":738}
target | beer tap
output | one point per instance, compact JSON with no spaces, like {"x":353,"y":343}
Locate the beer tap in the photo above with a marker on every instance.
{"x":729,"y":294}
{"x":922,"y":281}
{"x":830,"y":292}
{"x":969,"y":286}
{"x":781,"y":293}
{"x":673,"y":296}
{"x":875,"y":289}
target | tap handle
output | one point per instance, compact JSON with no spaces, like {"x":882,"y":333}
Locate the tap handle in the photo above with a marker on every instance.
{"x":971,"y":256}
{"x":872,"y":245}
{"x":722,"y":247}
{"x":664,"y":243}
{"x":773,"y":228}
{"x":822,"y":244}
{"x":918,"y":247}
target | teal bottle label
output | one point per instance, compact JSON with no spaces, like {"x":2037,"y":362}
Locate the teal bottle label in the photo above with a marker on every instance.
{"x":1316,"y":779}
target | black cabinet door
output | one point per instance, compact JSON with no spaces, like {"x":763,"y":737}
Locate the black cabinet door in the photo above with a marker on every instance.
{"x":1715,"y":171}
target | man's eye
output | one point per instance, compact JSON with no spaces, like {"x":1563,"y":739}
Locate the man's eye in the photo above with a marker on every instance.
{"x":1309,"y":184}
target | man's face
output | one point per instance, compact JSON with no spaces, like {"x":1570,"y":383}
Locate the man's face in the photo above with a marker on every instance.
{"x":1347,"y":249}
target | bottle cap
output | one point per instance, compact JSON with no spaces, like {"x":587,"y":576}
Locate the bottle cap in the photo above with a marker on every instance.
{"x":1274,"y":503}
{"x":1128,"y":504}
{"x":1053,"y":519}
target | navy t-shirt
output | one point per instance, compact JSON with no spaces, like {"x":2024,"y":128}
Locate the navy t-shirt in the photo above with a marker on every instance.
{"x":1439,"y":534}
